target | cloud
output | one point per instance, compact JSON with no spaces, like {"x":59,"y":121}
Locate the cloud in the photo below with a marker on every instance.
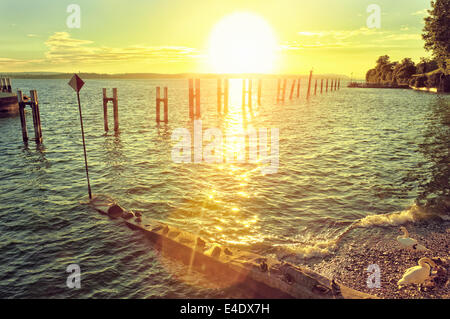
{"x":420,"y":12}
{"x":63,"y":49}
{"x":6,"y":62}
{"x":363,"y":38}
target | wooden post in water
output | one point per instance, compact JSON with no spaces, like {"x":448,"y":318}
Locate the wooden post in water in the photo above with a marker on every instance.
{"x":332,"y":85}
{"x":166,"y":105}
{"x":335,"y":84}
{"x":115,"y":110}
{"x":158,"y":105}
{"x":191,"y":98}
{"x":221,"y":93}
{"x":298,"y":88}
{"x":158,"y":109}
{"x":194,"y":98}
{"x":197,"y":99}
{"x":327,"y":86}
{"x":315,"y":88}
{"x":219,"y":96}
{"x":309,"y":85}
{"x":339,"y":84}
{"x":292,"y":90}
{"x":114,"y":100}
{"x":33,"y":102}
{"x":105,"y":110}
{"x":36,"y":116}
{"x":281,"y":90}
{"x":246,"y":92}
{"x":259,"y":91}
{"x":321,"y":86}
{"x":23,"y":121}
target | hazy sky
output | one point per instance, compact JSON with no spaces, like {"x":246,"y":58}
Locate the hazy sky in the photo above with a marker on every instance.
{"x":172,"y":36}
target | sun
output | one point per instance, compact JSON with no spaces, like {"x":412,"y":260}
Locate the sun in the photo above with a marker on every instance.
{"x":242,"y":42}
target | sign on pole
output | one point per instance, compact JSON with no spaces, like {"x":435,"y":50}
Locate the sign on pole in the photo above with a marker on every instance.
{"x":77,"y":83}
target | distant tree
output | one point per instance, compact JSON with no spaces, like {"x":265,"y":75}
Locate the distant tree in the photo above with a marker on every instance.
{"x":426,"y":65}
{"x":403,"y":71}
{"x":437,"y":33}
{"x":371,"y":76}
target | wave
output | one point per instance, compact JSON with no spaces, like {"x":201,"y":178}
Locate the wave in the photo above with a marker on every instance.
{"x":415,"y":213}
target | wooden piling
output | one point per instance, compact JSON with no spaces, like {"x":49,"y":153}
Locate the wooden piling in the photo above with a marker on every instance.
{"x":114,"y":100}
{"x":309,"y":85}
{"x":105,"y":110}
{"x":194,"y":98}
{"x":219,"y":96}
{"x":33,"y":102}
{"x":191,"y":98}
{"x":292,"y":90}
{"x":246,"y":95}
{"x":35,"y":115}
{"x":165,"y":101}
{"x":315,"y":88}
{"x":298,"y":87}
{"x":327,"y":86}
{"x":339,"y":84}
{"x":8,"y":85}
{"x":221,"y":93}
{"x":281,"y":91}
{"x":335,"y":84}
{"x":166,"y":105}
{"x":23,"y":121}
{"x":197,"y":99}
{"x":115,"y":110}
{"x":158,"y":109}
{"x":321,"y":86}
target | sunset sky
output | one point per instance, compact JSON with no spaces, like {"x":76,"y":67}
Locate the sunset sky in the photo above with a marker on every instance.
{"x":174,"y":36}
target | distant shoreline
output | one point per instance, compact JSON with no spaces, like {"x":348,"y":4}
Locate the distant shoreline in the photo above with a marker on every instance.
{"x":137,"y":76}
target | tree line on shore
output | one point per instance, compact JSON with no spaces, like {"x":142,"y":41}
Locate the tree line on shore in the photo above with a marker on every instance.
{"x":431,"y":72}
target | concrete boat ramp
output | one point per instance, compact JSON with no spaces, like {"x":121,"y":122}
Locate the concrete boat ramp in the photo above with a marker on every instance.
{"x":266,"y":276}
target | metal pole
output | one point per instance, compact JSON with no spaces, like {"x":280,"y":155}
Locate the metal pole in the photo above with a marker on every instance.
{"x":84,"y":147}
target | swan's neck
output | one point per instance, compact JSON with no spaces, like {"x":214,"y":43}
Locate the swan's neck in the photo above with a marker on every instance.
{"x":424,"y":263}
{"x":405,"y":233}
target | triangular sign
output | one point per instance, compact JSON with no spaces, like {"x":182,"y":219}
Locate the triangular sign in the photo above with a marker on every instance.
{"x":76,"y":83}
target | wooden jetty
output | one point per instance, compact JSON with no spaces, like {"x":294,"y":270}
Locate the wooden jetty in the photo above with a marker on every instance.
{"x":265,"y":276}
{"x":8,"y":100}
{"x":8,"y":104}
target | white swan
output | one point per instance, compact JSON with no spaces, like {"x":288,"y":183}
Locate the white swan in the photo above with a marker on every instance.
{"x":417,"y":274}
{"x":408,"y":242}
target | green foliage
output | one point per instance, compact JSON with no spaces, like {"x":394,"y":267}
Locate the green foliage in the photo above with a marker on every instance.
{"x":437,"y":33}
{"x":391,"y":73}
{"x":426,"y":65}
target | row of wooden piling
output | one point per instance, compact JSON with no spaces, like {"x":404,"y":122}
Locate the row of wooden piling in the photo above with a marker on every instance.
{"x":5,"y":85}
{"x":194,"y":100}
{"x":282,"y":83}
{"x":222,"y":97}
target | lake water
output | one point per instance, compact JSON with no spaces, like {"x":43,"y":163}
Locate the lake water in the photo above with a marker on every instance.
{"x":344,"y":157}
